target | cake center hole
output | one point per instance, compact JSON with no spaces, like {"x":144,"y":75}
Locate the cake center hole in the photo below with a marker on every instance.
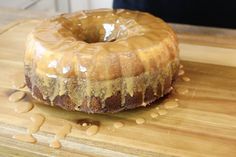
{"x":91,"y":30}
{"x":105,"y":32}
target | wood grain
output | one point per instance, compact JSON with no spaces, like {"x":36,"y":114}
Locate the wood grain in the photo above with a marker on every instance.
{"x":202,"y":35}
{"x":204,"y":124}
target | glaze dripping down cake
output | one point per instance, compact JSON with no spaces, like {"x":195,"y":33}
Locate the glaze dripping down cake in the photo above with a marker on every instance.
{"x":101,"y":60}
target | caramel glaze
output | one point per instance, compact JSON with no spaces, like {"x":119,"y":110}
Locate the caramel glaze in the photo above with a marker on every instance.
{"x":56,"y":144}
{"x":25,"y":138}
{"x":98,"y":54}
{"x":66,"y":129}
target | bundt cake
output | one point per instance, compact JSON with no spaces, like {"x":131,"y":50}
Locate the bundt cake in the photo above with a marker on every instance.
{"x":101,"y":60}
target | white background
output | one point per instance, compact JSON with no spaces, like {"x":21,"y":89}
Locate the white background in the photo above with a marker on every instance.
{"x":56,"y":5}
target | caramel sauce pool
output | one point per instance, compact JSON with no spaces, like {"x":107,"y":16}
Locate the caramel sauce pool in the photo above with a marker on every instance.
{"x":25,"y":138}
{"x":92,"y":130}
{"x":16,"y":96}
{"x":66,"y":129}
{"x":23,"y":107}
{"x":55,"y":144}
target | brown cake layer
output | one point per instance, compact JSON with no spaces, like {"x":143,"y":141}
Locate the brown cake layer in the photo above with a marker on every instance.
{"x":112,"y":104}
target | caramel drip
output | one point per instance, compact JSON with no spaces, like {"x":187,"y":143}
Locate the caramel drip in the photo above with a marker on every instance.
{"x":62,"y":87}
{"x":55,"y":144}
{"x":65,"y":130}
{"x":145,"y":55}
{"x":142,"y":89}
{"x":37,"y":121}
{"x":156,"y":83}
{"x":23,"y":107}
{"x":88,"y":92}
{"x":162,"y":81}
{"x":129,"y":86}
{"x":171,"y":74}
{"x":123,"y":92}
{"x":75,"y":93}
{"x":61,"y":134}
{"x":109,"y":92}
{"x":103,"y":89}
{"x":56,"y":89}
{"x":108,"y":85}
{"x":25,"y":138}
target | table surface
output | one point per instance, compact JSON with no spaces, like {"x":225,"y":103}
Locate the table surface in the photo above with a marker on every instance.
{"x":202,"y":128}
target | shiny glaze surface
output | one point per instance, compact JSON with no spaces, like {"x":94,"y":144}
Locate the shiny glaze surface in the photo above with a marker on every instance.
{"x":102,"y":52}
{"x":67,"y":44}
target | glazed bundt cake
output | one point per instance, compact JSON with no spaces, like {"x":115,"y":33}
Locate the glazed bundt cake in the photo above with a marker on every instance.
{"x":101,"y":61}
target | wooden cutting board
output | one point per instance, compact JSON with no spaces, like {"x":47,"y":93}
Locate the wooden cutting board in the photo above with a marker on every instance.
{"x":204,"y":124}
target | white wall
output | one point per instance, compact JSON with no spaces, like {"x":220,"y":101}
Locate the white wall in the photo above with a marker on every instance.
{"x":95,"y":4}
{"x":36,"y":5}
{"x":56,"y":5}
{"x":90,"y":4}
